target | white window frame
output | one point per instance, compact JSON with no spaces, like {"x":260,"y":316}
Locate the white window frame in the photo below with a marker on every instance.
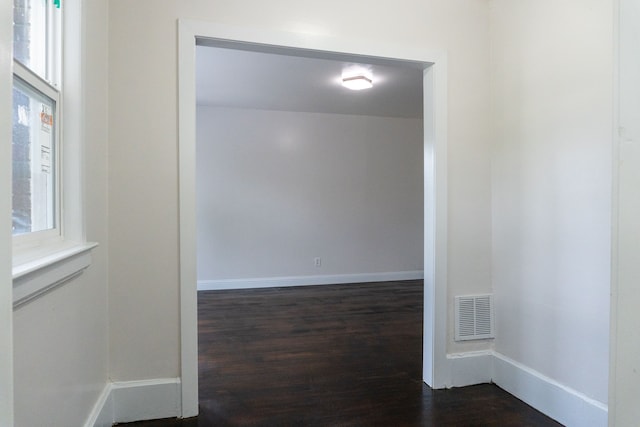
{"x":42,"y":263}
{"x":26,"y":243}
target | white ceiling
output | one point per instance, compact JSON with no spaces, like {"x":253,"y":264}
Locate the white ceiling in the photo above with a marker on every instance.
{"x":308,"y":82}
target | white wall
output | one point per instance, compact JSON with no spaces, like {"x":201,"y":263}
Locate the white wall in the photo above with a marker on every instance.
{"x":60,"y":339}
{"x":551,"y":78}
{"x":6,"y":298}
{"x":551,"y":75}
{"x":276,"y":189}
{"x":143,"y":196}
{"x":625,"y":349}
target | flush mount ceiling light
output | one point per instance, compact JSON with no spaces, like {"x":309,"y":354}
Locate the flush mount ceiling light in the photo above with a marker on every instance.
{"x":357,"y":81}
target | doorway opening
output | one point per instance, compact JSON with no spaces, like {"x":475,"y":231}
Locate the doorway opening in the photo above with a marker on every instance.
{"x":301,"y":181}
{"x":433,"y":69}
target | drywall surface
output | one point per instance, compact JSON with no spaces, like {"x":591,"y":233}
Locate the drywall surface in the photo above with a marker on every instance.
{"x":625,"y":350}
{"x":60,"y":339}
{"x":278,"y":189}
{"x":60,"y":348}
{"x":143,"y":147}
{"x":551,"y":77}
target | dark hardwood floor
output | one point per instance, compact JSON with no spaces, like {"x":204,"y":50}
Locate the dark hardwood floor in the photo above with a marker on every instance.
{"x":338,"y":355}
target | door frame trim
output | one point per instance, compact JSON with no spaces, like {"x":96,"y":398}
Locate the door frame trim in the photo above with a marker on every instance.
{"x":436,"y":372}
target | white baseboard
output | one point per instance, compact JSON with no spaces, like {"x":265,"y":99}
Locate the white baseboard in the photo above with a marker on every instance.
{"x":563,"y":404}
{"x":474,"y":367}
{"x":102,"y":413}
{"x":153,"y":399}
{"x":130,"y":401}
{"x":274,"y":282}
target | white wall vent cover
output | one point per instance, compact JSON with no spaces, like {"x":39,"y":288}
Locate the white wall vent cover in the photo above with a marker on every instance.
{"x":474,"y":317}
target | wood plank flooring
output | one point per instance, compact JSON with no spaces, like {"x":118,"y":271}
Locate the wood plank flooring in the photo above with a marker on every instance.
{"x":337,"y":355}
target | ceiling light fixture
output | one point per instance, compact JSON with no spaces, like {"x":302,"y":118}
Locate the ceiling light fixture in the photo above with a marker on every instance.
{"x":357,"y":82}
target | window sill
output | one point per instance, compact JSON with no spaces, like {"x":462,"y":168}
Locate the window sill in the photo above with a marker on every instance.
{"x":34,"y":278}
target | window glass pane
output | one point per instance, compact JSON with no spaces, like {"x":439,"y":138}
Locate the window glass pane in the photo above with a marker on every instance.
{"x":31,"y":33}
{"x":33,"y":148}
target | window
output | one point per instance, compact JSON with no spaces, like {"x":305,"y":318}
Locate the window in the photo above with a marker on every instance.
{"x":49,"y":245}
{"x":34,"y":159}
{"x":36,"y":136}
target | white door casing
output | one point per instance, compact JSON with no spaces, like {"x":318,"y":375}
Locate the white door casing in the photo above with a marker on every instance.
{"x":435,"y":367}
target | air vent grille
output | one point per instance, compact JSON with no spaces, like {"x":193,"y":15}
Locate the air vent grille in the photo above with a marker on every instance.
{"x":474,"y":317}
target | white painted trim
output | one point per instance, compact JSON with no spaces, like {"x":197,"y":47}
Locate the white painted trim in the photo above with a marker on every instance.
{"x":160,"y":398}
{"x":435,"y":368}
{"x":55,"y":259}
{"x":130,"y":401}
{"x":187,"y":205}
{"x":36,"y":278}
{"x":6,"y":298}
{"x":102,"y":413}
{"x":562,"y":403}
{"x":146,"y":400}
{"x":274,"y":282}
{"x":474,"y":367}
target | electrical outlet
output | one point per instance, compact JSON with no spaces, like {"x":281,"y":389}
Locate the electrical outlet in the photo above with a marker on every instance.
{"x":317,"y":261}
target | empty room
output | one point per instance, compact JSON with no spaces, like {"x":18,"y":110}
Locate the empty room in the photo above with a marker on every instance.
{"x":302,"y":181}
{"x":297,"y":252}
